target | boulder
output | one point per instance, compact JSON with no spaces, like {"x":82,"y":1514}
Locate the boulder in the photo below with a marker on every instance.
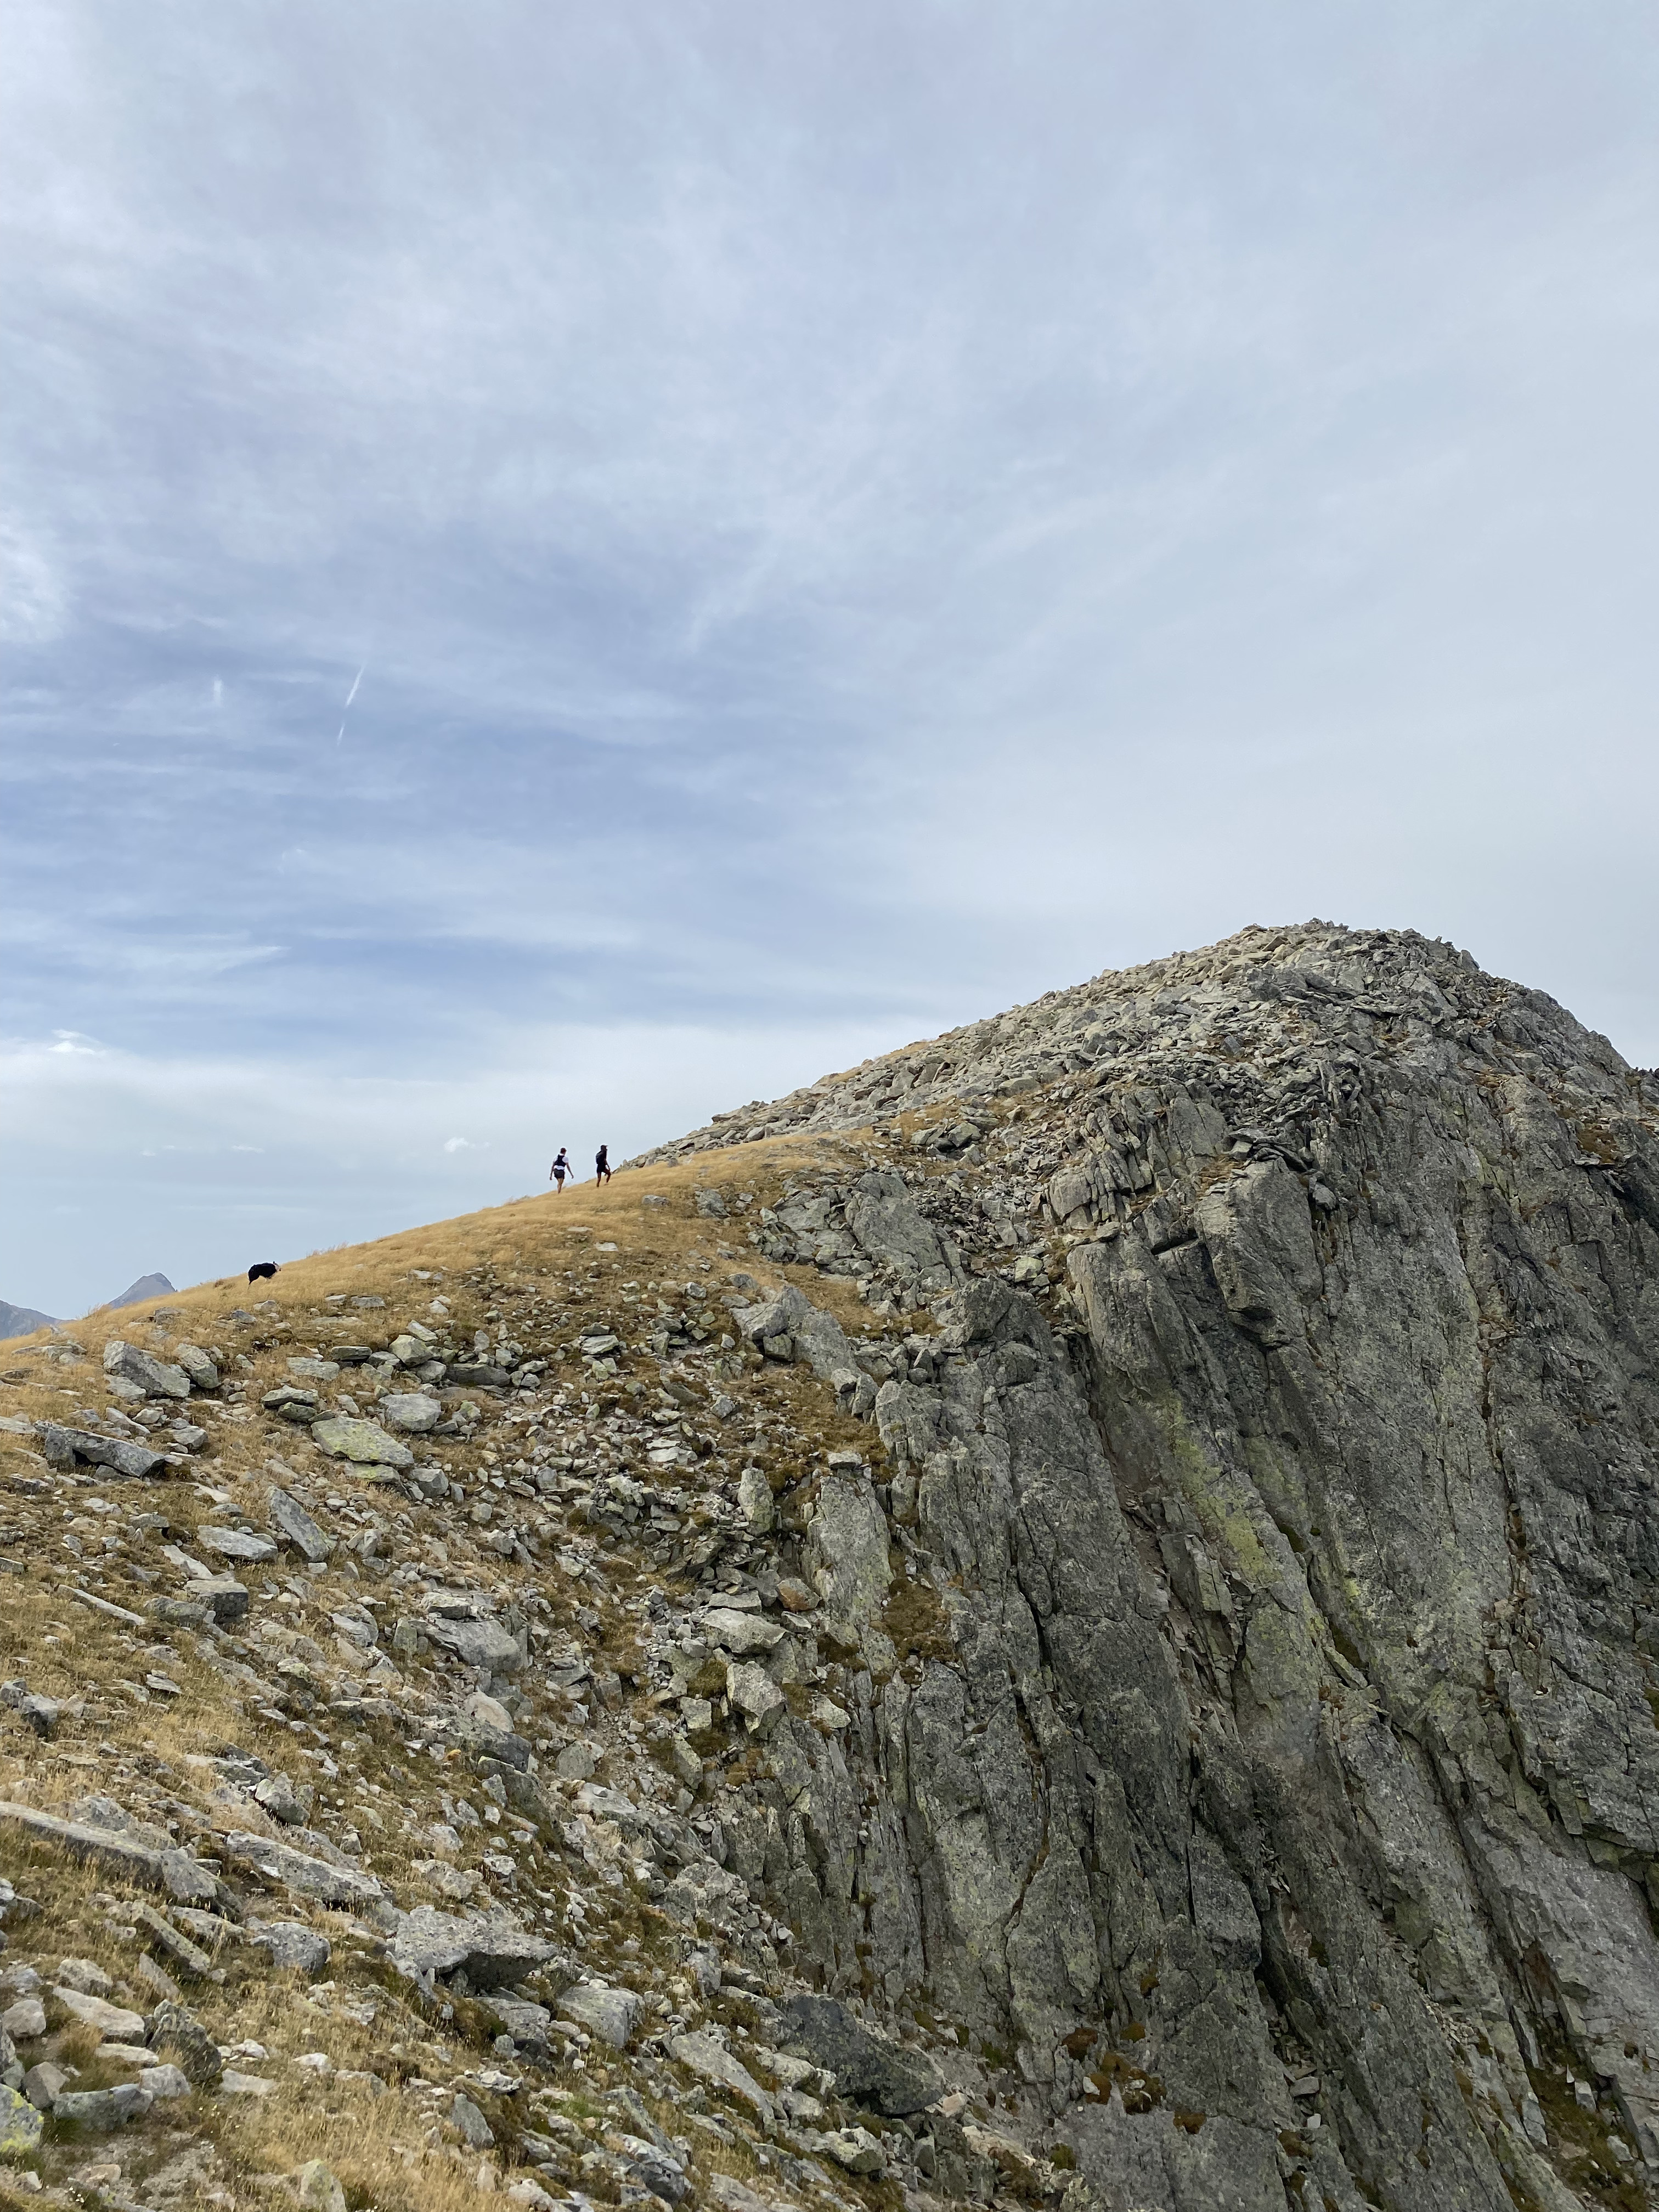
{"x":466,"y":1627}
{"x":20,"y":2127}
{"x":172,"y":2027}
{"x":751,"y":1691}
{"x":611,"y":2015}
{"x":742,"y":1634}
{"x":225,"y":1597}
{"x":101,"y":2111}
{"x":291,"y":1947}
{"x":62,"y":1447}
{"x":291,"y":1522}
{"x":364,"y":1443}
{"x":244,"y":1544}
{"x":711,"y":2062}
{"x":432,"y":1945}
{"x":195,"y":1363}
{"x":867,"y":2067}
{"x":411,"y":1411}
{"x":155,"y":1377}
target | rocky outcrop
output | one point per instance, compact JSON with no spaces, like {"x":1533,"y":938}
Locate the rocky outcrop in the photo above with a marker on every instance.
{"x":1298,"y":1546}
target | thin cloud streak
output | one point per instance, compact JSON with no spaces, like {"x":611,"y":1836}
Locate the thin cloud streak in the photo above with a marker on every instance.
{"x":856,"y":519}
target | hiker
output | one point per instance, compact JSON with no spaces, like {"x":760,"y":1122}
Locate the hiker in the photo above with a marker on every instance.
{"x":602,"y":1165}
{"x":559,"y":1170}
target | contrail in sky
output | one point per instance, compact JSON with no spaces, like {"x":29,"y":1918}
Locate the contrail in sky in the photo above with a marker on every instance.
{"x":351,"y":696}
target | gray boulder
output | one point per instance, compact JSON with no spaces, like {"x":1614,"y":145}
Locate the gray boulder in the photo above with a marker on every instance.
{"x":291,"y":1521}
{"x":611,"y":2015}
{"x":431,"y":1945}
{"x":867,"y":2066}
{"x":63,"y":1446}
{"x":157,"y":1378}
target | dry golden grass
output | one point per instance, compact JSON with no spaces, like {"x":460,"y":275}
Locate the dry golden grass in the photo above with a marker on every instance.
{"x":378,"y":2146}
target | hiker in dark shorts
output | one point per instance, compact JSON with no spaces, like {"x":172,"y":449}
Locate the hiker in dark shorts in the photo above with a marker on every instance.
{"x":560,"y":1168}
{"x":602,"y":1165}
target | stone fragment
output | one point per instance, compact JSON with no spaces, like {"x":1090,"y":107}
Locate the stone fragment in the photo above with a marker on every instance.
{"x":291,"y":1947}
{"x":243,"y":1544}
{"x":195,"y":1363}
{"x":173,"y":1871}
{"x":113,"y":2020}
{"x":166,"y":2081}
{"x":741,"y":1633}
{"x":754,"y":1500}
{"x":100,"y":2112}
{"x":475,"y":2130}
{"x":172,"y":2027}
{"x":24,"y":2020}
{"x":155,"y":1377}
{"x":577,"y":1761}
{"x":611,"y":2015}
{"x":42,"y":2084}
{"x":750,"y":1691}
{"x":292,"y":1401}
{"x":711,"y":2062}
{"x":84,"y":1975}
{"x":20,"y":2127}
{"x":316,"y":2188}
{"x":364,"y":1443}
{"x":233,"y":2083}
{"x":290,"y":1520}
{"x":412,"y":1412}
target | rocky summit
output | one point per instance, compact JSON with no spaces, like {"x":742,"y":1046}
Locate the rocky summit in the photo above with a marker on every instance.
{"x":1069,"y":1617}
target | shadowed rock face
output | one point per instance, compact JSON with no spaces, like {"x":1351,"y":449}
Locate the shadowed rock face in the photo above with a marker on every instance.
{"x":1298,"y":1548}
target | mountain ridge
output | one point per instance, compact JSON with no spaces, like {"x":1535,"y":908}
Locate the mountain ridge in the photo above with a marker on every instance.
{"x":1103,"y":1592}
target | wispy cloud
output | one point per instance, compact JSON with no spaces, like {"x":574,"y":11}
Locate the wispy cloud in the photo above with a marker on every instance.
{"x":816,"y":526}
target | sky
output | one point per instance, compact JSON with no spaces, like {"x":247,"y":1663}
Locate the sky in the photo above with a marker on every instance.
{"x":567,"y":568}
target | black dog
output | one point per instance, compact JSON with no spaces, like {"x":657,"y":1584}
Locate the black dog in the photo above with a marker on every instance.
{"x":262,"y":1271}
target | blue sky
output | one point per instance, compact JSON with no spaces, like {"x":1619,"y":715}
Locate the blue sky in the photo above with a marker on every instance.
{"x":847,"y":519}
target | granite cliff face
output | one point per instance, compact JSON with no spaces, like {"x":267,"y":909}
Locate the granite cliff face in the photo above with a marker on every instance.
{"x":1278,"y":1791}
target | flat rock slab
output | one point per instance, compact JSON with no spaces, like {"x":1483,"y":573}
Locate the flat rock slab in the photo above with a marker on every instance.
{"x":411,"y":1411}
{"x":481,"y":1643}
{"x":62,"y":1447}
{"x":713,"y":2062}
{"x":237,"y":1544}
{"x":866,"y":2067}
{"x":297,"y":1870}
{"x":291,"y":1947}
{"x":289,"y":1519}
{"x":611,"y":2015}
{"x":173,"y":1872}
{"x":431,"y":1943}
{"x":364,"y":1443}
{"x":157,"y":1378}
{"x":113,"y":2020}
{"x":741,"y":1633}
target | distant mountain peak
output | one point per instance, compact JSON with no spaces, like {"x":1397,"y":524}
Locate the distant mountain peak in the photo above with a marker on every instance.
{"x":147,"y":1287}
